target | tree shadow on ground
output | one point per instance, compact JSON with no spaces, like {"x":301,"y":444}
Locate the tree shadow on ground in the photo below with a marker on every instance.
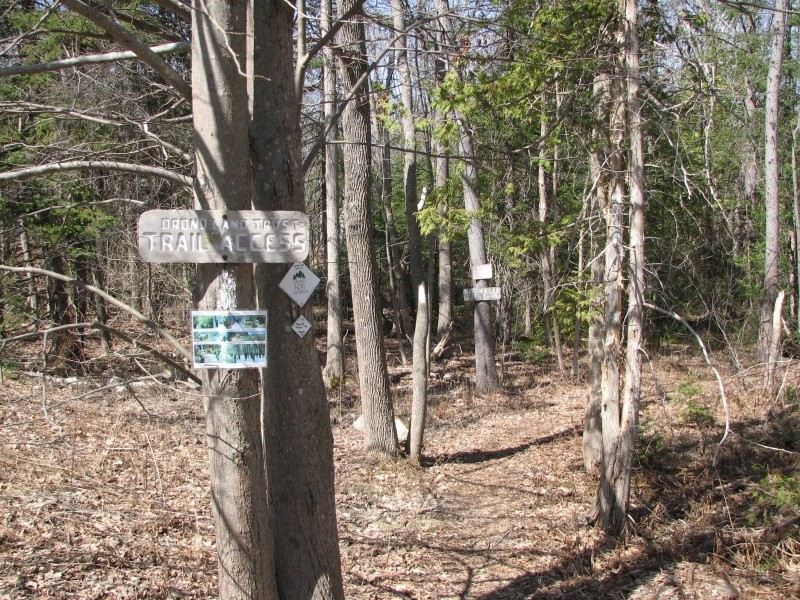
{"x":573,"y":576}
{"x":479,"y":456}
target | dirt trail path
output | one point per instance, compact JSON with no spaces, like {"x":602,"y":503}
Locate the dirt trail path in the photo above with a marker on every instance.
{"x":492,"y":515}
{"x":105,"y":496}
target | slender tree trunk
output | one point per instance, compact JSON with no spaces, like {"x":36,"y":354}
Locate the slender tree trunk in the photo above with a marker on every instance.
{"x":547,"y":256}
{"x":610,"y":508}
{"x":334,"y":358}
{"x":593,"y":429}
{"x":796,"y":230}
{"x":379,"y":430}
{"x":486,"y":379}
{"x":33,"y":299}
{"x":632,"y":391}
{"x":401,"y":316}
{"x":747,"y":186}
{"x":775,"y":345}
{"x":100,"y":307}
{"x":133,"y":279}
{"x":419,"y":399}
{"x":232,"y":398}
{"x":771,"y":179}
{"x":577,"y":324}
{"x":445,"y":278}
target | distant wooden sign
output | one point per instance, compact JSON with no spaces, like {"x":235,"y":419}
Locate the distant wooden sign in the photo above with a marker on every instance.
{"x":481,"y":294}
{"x":482,"y":271}
{"x":223,"y":236}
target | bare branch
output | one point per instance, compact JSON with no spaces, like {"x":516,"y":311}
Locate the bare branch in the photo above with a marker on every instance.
{"x":723,"y":395}
{"x":111,"y":330}
{"x":177,"y":8}
{"x":304,"y":58}
{"x":127,"y":39}
{"x":140,"y":128}
{"x":321,"y":140}
{"x":108,"y":298}
{"x":86,"y":59}
{"x":80,"y":165}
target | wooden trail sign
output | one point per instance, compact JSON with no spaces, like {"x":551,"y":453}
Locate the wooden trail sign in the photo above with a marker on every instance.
{"x":481,"y":294}
{"x":223,"y":236}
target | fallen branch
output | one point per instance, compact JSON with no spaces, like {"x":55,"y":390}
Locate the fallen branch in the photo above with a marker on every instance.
{"x":119,"y":304}
{"x":115,"y":332}
{"x":711,"y":366}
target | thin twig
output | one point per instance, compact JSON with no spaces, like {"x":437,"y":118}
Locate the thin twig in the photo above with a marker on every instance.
{"x":765,"y":447}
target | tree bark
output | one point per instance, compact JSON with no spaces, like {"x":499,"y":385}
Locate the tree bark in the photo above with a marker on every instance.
{"x":632,"y":391}
{"x":33,"y":299}
{"x":547,"y":255}
{"x":295,"y":417}
{"x":795,"y":288}
{"x":245,"y":549}
{"x":334,"y":358}
{"x":486,"y":379}
{"x":445,"y":272}
{"x":379,"y":431}
{"x":610,"y":508}
{"x":419,"y":363}
{"x":771,"y":179}
{"x":775,"y":344}
{"x":592,"y":428}
{"x":620,"y":420}
{"x":401,"y":315}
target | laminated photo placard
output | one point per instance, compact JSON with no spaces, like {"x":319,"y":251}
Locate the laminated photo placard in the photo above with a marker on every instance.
{"x":235,"y":339}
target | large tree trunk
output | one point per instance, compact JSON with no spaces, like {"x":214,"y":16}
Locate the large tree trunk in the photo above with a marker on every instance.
{"x":232,"y":398}
{"x":620,"y":419}
{"x":771,"y":179}
{"x":334,"y":358}
{"x":610,"y":508}
{"x":295,"y":415}
{"x":592,"y":428}
{"x":376,"y":404}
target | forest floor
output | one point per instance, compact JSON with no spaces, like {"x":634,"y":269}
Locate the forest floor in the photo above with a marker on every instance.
{"x":104,"y":492}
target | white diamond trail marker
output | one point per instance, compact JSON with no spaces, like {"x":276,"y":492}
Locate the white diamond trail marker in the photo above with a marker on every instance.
{"x":299,"y":283}
{"x":301,"y":326}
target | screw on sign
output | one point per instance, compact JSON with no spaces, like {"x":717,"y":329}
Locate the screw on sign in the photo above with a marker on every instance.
{"x":299,"y":283}
{"x":223,"y":236}
{"x":301,"y":326}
